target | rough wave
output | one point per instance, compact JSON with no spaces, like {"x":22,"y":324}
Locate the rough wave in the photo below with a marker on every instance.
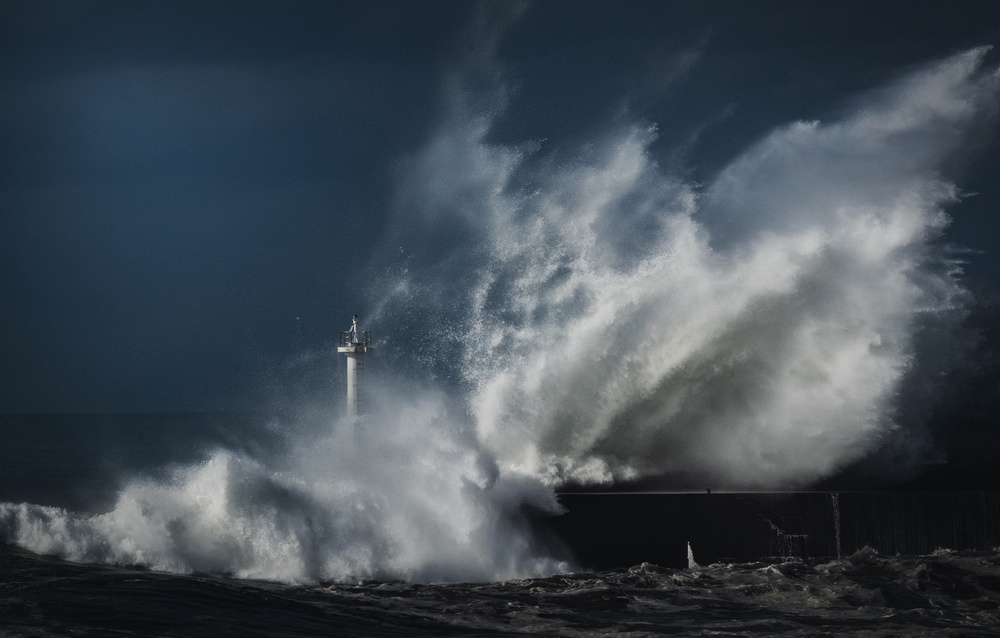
{"x":396,"y":497}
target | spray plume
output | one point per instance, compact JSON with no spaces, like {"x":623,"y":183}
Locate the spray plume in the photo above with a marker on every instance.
{"x":619,"y":323}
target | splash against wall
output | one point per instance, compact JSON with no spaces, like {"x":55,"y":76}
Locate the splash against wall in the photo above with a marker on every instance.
{"x":618,"y":322}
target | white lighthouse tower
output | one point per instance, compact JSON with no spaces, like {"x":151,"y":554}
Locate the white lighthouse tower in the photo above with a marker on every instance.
{"x":355,"y":345}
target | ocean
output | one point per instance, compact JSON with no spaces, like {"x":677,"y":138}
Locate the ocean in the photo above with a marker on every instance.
{"x":944,"y":594}
{"x":64,"y":479}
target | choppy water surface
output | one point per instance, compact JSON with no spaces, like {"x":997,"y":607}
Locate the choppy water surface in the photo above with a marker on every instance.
{"x":947,"y":593}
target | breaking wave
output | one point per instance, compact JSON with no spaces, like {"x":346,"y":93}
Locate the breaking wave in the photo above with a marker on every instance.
{"x":397,"y":497}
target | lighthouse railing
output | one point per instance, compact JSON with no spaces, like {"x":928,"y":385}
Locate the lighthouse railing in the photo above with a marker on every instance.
{"x":348,"y":338}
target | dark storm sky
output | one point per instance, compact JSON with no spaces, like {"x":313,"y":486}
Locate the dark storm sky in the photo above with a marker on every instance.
{"x":190,"y":190}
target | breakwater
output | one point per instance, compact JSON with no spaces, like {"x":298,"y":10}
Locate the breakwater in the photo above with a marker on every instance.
{"x":607,"y":530}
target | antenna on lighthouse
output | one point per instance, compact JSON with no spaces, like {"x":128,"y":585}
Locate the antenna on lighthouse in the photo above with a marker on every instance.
{"x":355,"y":345}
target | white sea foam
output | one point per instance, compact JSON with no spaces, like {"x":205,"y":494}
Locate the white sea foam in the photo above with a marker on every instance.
{"x":401,"y":497}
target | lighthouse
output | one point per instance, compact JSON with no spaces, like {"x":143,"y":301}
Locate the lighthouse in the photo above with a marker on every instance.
{"x":355,"y":344}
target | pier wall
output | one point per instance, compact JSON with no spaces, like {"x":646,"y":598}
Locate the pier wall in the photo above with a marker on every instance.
{"x":608,"y":530}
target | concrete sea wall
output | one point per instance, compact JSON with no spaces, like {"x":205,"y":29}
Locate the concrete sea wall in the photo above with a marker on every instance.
{"x":607,"y":530}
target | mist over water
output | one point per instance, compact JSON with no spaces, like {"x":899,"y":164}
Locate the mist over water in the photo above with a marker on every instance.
{"x":592,"y":319}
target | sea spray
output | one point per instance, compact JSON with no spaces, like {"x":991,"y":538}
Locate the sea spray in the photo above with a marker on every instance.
{"x":396,"y":497}
{"x":614,"y":322}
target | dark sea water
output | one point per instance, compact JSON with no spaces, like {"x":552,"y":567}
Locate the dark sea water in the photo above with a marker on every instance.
{"x":945,"y":594}
{"x":79,"y":461}
{"x":57,"y":470}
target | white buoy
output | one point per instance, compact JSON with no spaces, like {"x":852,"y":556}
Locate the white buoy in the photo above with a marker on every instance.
{"x":355,"y":344}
